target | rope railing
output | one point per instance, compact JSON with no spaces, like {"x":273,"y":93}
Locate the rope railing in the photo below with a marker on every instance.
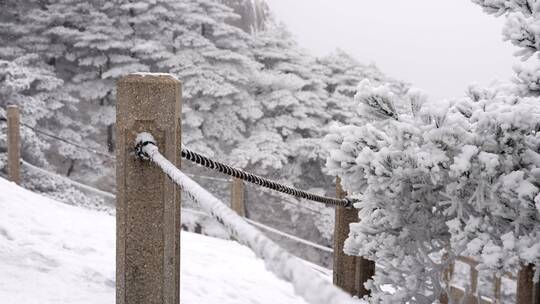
{"x":306,"y":282}
{"x":222,"y":168}
{"x":258,"y":180}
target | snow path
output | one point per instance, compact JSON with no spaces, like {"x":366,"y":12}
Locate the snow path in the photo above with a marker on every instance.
{"x":56,"y":253}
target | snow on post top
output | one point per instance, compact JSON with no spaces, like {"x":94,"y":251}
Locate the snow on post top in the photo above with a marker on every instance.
{"x":147,"y":74}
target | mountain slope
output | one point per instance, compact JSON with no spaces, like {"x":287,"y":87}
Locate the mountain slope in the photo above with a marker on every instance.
{"x":57,"y":253}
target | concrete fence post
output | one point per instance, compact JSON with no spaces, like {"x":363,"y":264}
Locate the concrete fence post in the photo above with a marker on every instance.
{"x":148,"y":203}
{"x":528,"y":292}
{"x":237,"y":197}
{"x":350,"y":272}
{"x":472,"y":293}
{"x":447,"y":277}
{"x":14,"y":143}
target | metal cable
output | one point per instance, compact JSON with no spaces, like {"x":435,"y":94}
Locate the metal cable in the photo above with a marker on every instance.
{"x":261,"y":181}
{"x":67,"y":141}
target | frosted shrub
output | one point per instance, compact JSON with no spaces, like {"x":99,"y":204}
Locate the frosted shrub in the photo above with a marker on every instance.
{"x":438,"y":180}
{"x":455,"y":178}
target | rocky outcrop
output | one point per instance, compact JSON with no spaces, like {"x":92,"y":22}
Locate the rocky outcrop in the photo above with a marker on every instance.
{"x":253,"y":14}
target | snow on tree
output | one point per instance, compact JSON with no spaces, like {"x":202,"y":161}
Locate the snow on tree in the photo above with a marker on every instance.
{"x":29,"y":80}
{"x":522,"y":30}
{"x":441,"y":179}
{"x":256,"y":100}
{"x":216,"y":69}
{"x":343,"y":73}
{"x":459,"y":178}
{"x":94,"y":49}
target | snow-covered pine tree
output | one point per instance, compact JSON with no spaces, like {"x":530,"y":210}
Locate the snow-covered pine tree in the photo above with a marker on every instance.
{"x":93,"y":48}
{"x":522,"y":30}
{"x":343,"y":73}
{"x":28,"y":79}
{"x":211,"y":58}
{"x":290,"y":94}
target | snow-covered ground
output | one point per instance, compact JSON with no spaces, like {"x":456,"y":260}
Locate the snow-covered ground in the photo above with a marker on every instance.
{"x":51,"y":252}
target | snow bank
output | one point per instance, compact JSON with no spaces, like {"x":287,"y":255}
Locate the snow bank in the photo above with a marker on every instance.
{"x":52,"y":252}
{"x":57,"y":253}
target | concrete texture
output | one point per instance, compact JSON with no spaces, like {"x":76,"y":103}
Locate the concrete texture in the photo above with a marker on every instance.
{"x":148,"y":203}
{"x":527,"y":291}
{"x":237,"y":197}
{"x":350,"y":272}
{"x":14,"y":144}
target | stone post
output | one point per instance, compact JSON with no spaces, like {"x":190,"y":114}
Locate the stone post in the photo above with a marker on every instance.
{"x":14,"y":144}
{"x":350,"y":272}
{"x":528,"y":292}
{"x":472,"y":296}
{"x":148,"y":203}
{"x":447,"y":277}
{"x":237,"y":197}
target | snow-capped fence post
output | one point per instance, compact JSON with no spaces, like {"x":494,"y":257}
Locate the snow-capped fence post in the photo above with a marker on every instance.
{"x":237,"y":197}
{"x":528,"y":292}
{"x":14,"y":143}
{"x":350,"y":272}
{"x":148,"y":203}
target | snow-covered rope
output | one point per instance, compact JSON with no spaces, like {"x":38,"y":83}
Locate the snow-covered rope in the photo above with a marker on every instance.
{"x":261,"y":181}
{"x":305,"y":281}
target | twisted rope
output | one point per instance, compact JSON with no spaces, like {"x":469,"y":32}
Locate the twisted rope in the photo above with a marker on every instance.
{"x":261,"y":181}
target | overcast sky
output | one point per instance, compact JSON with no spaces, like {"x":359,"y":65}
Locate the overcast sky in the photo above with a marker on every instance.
{"x":440,"y":46}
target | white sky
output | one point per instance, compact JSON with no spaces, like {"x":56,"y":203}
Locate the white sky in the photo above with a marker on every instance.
{"x":440,"y":46}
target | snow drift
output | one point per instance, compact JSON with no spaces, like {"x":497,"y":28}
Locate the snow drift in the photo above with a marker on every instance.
{"x":57,"y":253}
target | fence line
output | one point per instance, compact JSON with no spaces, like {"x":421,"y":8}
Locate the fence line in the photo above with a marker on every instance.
{"x":113,"y":196}
{"x":222,"y":168}
{"x":466,"y":260}
{"x":306,"y":283}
